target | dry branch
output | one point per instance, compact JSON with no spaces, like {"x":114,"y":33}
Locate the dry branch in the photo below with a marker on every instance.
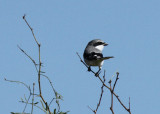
{"x":102,"y":91}
{"x":32,"y":99}
{"x":40,"y":65}
{"x":110,"y":88}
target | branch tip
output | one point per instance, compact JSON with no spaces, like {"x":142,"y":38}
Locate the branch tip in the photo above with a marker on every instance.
{"x":24,"y":16}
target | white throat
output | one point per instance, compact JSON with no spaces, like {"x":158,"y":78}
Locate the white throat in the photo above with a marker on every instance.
{"x":100,"y":47}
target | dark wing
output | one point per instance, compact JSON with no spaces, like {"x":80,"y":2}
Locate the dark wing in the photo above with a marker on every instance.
{"x":93,"y":56}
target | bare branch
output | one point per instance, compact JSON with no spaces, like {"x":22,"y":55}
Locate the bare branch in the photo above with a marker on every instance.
{"x":34,"y":105}
{"x":19,"y":82}
{"x":101,"y":94}
{"x":24,"y":17}
{"x":85,"y":64}
{"x":111,"y":108}
{"x":29,"y":57}
{"x":32,"y":99}
{"x":110,"y":88}
{"x":92,"y":71}
{"x":27,"y":100}
{"x":116,"y":81}
{"x":40,"y":65}
{"x":129,"y":110}
{"x":92,"y":110}
{"x":50,"y":83}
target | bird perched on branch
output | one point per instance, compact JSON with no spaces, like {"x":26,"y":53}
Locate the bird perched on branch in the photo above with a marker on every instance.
{"x":93,"y":54}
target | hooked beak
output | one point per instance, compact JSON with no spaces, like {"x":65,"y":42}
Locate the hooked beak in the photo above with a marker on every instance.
{"x":105,"y":44}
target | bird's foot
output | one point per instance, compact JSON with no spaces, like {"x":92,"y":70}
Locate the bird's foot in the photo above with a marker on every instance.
{"x":89,"y":68}
{"x":97,"y":73}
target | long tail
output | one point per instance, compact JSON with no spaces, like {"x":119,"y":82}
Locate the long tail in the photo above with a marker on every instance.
{"x":104,"y":58}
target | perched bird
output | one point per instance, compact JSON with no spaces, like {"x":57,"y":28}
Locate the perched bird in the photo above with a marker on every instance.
{"x":93,"y":54}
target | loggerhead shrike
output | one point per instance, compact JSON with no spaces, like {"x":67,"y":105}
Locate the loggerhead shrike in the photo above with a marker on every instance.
{"x":93,"y":54}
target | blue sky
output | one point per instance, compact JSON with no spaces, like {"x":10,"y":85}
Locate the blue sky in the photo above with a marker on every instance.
{"x":64,"y":27}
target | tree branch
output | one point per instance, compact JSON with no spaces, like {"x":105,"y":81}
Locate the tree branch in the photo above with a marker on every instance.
{"x":40,"y":65}
{"x":110,"y":88}
{"x":100,"y":94}
{"x":28,"y":57}
{"x":32,"y":99}
{"x":111,"y":108}
{"x":116,"y":81}
{"x":28,"y":87}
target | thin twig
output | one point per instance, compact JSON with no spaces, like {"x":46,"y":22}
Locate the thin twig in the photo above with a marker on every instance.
{"x":92,"y":110}
{"x":28,"y":87}
{"x":24,"y":17}
{"x":40,"y":65}
{"x":34,"y":105}
{"x":19,"y":83}
{"x":116,"y":81}
{"x":51,"y":101}
{"x":85,"y":63}
{"x":106,"y":86}
{"x":103,"y":82}
{"x":58,"y":96}
{"x":93,"y":71}
{"x":111,"y":90}
{"x":28,"y":57}
{"x":101,"y":94}
{"x":50,"y":83}
{"x":121,"y":102}
{"x":129,"y":110}
{"x":27,"y":100}
{"x":32,"y":99}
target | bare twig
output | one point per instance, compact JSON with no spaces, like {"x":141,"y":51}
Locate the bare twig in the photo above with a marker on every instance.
{"x":40,"y":65}
{"x":113,"y":93}
{"x":32,"y":99}
{"x":34,"y":105}
{"x":29,"y":57}
{"x":50,"y":83}
{"x":24,"y":17}
{"x":116,"y":81}
{"x":129,"y":110}
{"x":93,"y":72}
{"x":111,"y":108}
{"x":100,"y":94}
{"x":85,"y":64}
{"x":51,"y":101}
{"x":28,"y":87}
{"x":27,"y":100}
{"x":81,"y":60}
{"x":92,"y":110}
{"x":19,"y":82}
{"x":103,"y":82}
{"x":57,"y":95}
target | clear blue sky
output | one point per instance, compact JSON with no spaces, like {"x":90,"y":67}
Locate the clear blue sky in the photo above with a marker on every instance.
{"x":63,"y":27}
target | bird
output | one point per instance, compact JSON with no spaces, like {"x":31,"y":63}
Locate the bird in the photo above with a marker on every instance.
{"x":93,"y":54}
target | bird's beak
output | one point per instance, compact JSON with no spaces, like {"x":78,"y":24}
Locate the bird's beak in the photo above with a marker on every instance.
{"x":105,"y":44}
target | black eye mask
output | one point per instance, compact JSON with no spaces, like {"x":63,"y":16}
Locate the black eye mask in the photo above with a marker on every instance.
{"x":98,"y":43}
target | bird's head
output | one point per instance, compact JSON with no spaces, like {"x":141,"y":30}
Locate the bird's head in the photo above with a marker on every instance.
{"x":97,"y":43}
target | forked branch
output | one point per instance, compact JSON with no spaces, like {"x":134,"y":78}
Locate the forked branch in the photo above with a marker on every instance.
{"x":40,"y":64}
{"x":110,"y":88}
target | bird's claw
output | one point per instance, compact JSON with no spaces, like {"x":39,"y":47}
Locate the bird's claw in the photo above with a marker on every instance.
{"x":97,"y":73}
{"x":89,"y":68}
